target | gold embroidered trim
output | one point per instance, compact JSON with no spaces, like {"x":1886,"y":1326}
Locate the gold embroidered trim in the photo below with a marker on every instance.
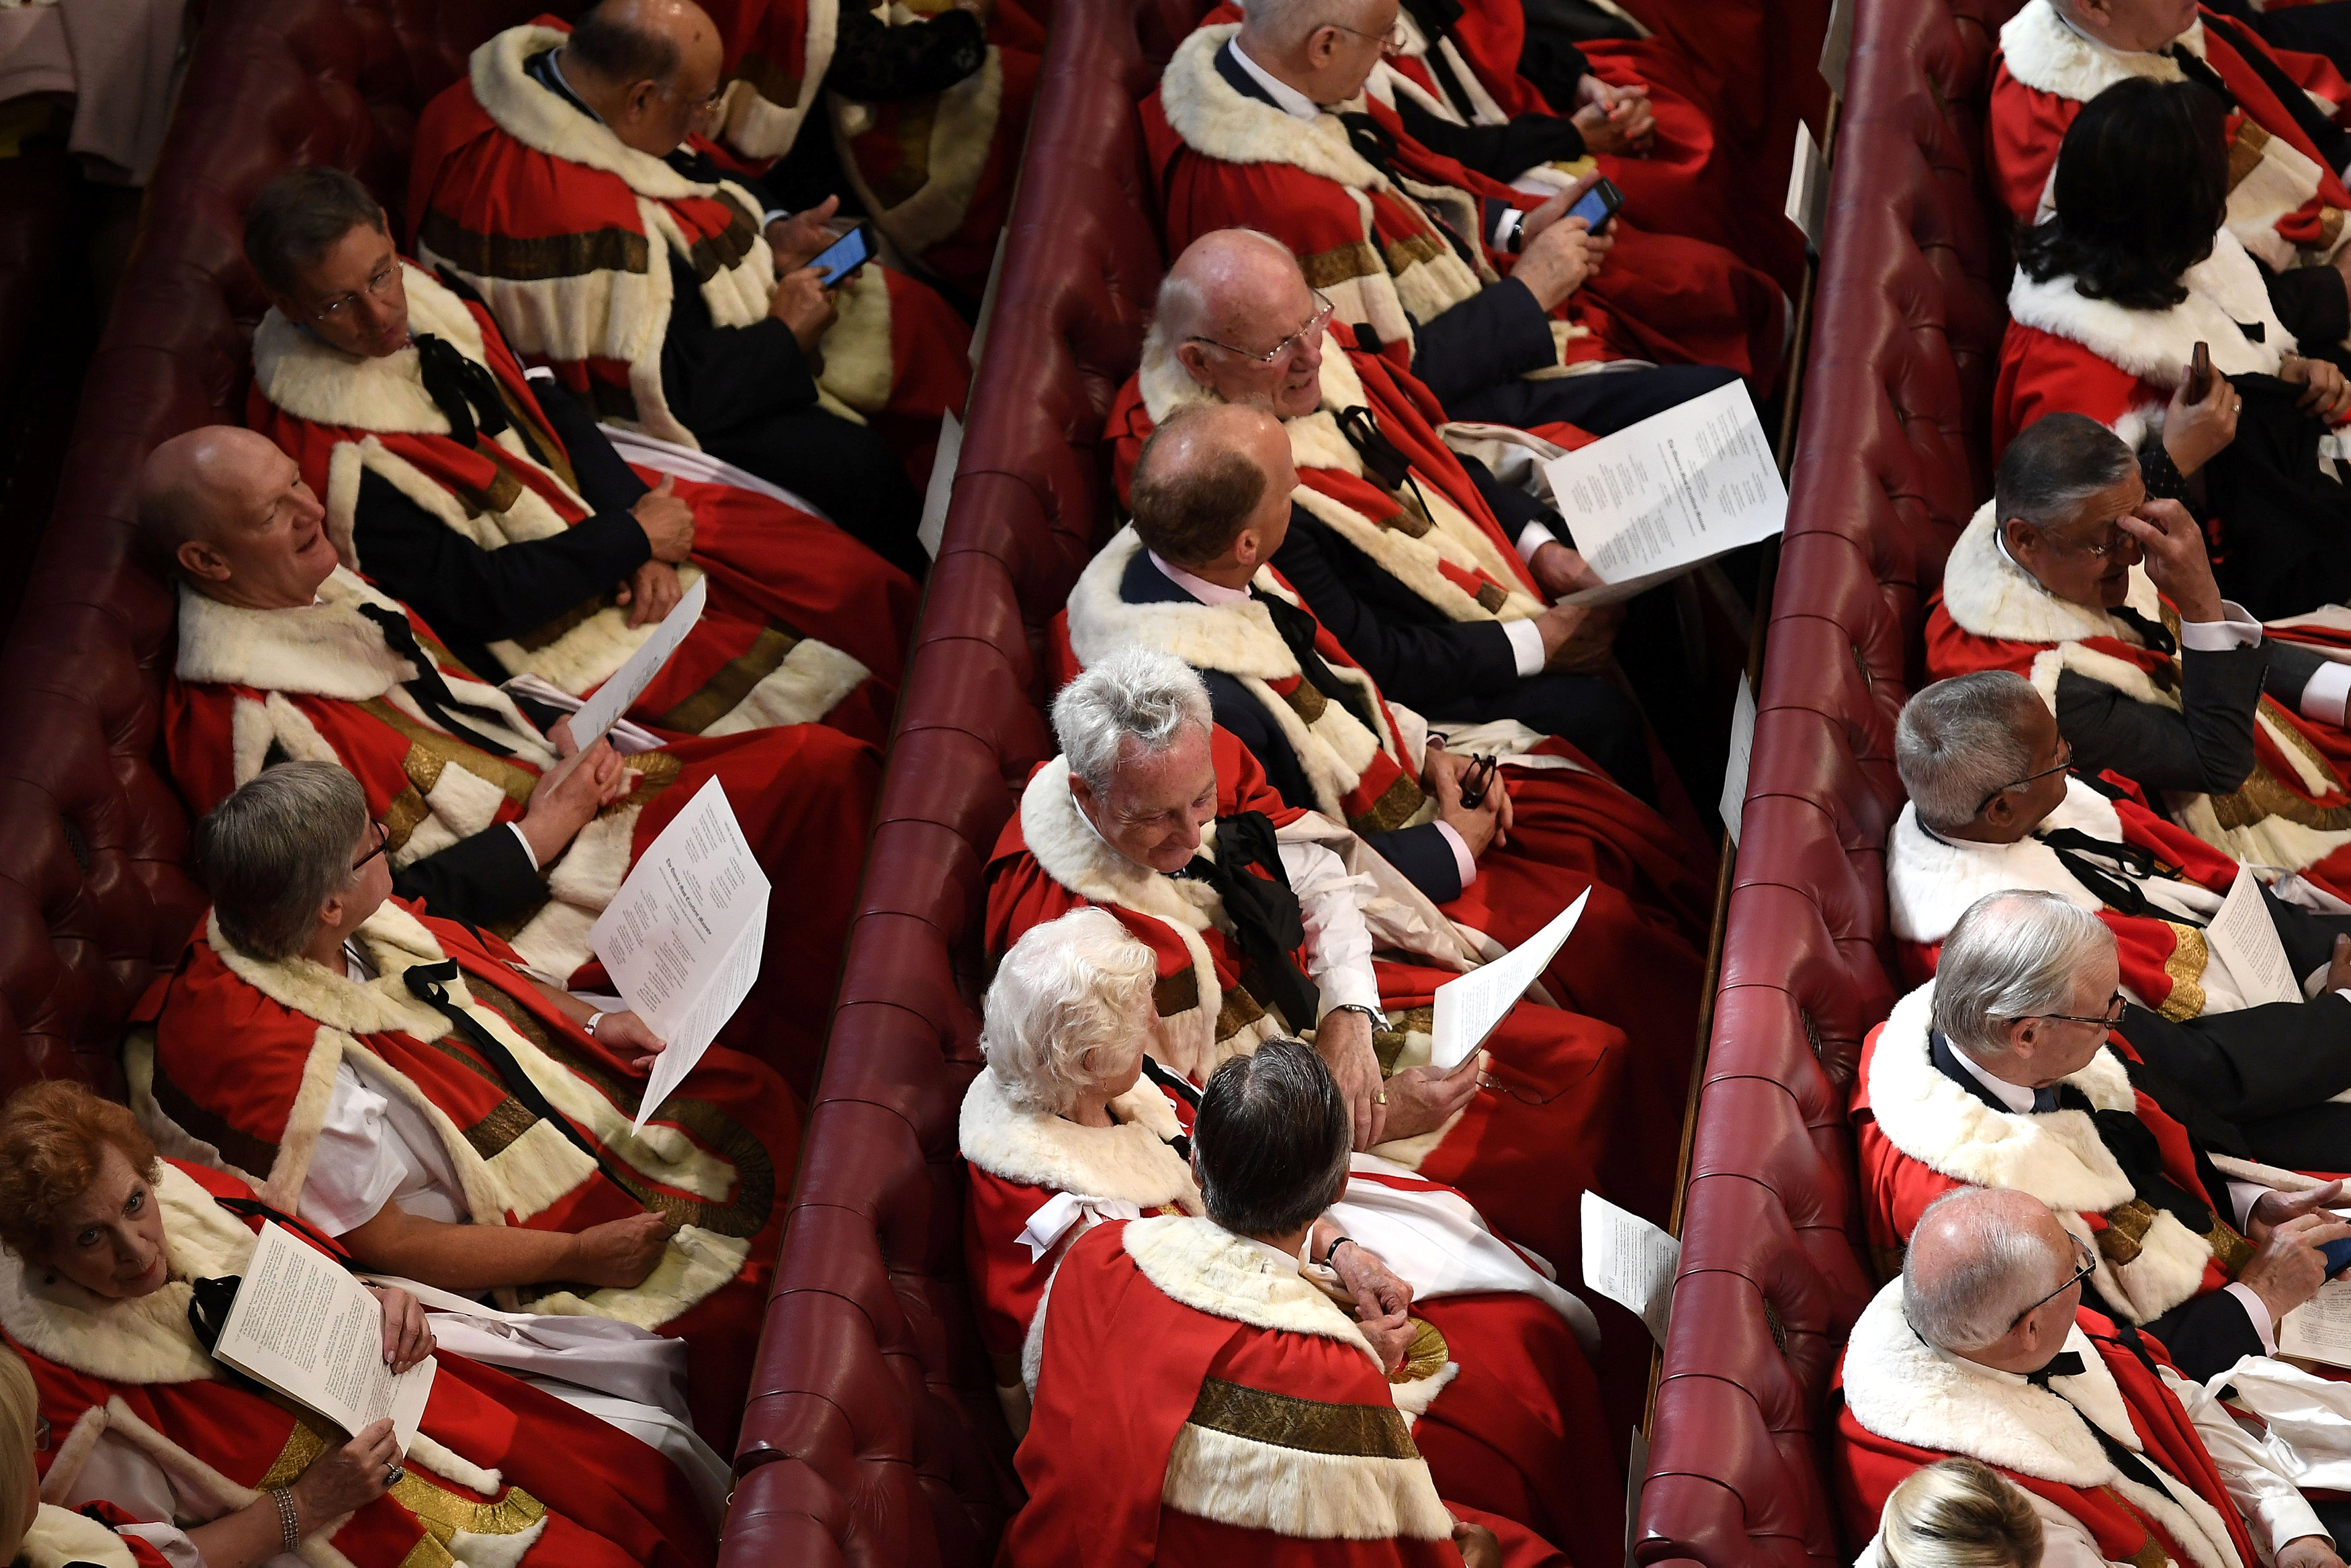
{"x":1395,"y":807}
{"x":2230,"y":1249}
{"x":1413,"y":250}
{"x":302,"y":1447}
{"x":1388,"y":1044}
{"x":1179,"y":992}
{"x":1238,"y":1011}
{"x":2125,"y":1231}
{"x":725,"y":691}
{"x":1491,"y":598}
{"x":1425,"y":1356}
{"x":533,"y":260}
{"x":430,"y":751}
{"x":1309,"y":1425}
{"x":2245,"y":151}
{"x":1306,"y":701}
{"x":2185,"y":967}
{"x":562,"y":626}
{"x":714,"y":254}
{"x":1341,"y":264}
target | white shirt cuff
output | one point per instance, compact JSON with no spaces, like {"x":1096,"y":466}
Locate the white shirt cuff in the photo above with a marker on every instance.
{"x":524,"y":839}
{"x":2243,"y":1196}
{"x":1533,"y":538}
{"x":1526,"y":653}
{"x":1350,"y":987}
{"x":539,"y":373}
{"x":772,"y":215}
{"x":2258,"y":1309}
{"x":2323,"y":699}
{"x":2238,"y":630}
{"x":1463,"y":861}
{"x":1506,"y":228}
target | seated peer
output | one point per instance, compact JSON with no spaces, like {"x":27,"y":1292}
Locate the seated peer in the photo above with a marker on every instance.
{"x":1986,"y":744}
{"x":2287,"y":208}
{"x":34,"y":1532}
{"x":2114,"y":293}
{"x":1268,"y":1412}
{"x":2152,"y":674}
{"x":100,"y":1242}
{"x":563,"y":181}
{"x":284,"y":653}
{"x":1431,"y":571}
{"x":498,"y":510}
{"x":1071,"y":1123}
{"x":1149,"y":788}
{"x":1212,"y":496}
{"x":1987,"y":1346}
{"x":1254,"y":127}
{"x":397,"y":1081}
{"x":2006,"y":1070}
{"x":1958,"y":1513}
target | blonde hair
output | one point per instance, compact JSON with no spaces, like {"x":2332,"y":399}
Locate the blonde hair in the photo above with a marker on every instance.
{"x":20,"y":1407}
{"x":1070,"y":1003}
{"x":1958,"y":1513}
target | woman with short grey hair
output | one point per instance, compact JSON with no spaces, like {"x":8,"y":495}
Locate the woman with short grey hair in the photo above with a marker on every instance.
{"x":274,"y":854}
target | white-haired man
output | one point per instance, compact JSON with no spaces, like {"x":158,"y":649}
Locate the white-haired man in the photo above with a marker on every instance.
{"x":1263,"y":920}
{"x":1983,"y":1348}
{"x":1992,"y":806}
{"x":2004,"y":1071}
{"x":1263,"y":125}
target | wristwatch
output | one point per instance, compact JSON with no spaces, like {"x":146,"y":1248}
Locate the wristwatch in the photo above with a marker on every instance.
{"x":1372,"y":1015}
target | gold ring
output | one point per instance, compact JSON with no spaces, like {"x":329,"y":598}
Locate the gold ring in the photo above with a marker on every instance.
{"x":1380,"y":1098}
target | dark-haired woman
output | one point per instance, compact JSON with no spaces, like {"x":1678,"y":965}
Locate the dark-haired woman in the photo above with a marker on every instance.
{"x":2113,"y":292}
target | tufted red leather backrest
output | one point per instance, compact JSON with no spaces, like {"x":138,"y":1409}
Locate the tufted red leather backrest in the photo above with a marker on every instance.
{"x":1891,"y":461}
{"x":94,"y":895}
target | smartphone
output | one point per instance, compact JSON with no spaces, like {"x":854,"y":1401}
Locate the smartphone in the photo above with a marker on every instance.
{"x":1598,"y":205}
{"x":2338,"y":1256}
{"x":2199,"y":373}
{"x":844,"y":255}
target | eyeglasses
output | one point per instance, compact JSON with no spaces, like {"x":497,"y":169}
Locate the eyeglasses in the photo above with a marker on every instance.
{"x":2118,"y":544}
{"x":703,"y":107}
{"x":2112,"y":1016}
{"x":376,"y":288}
{"x":1323,"y":311}
{"x":2064,"y":764}
{"x":1394,"y":41}
{"x":382,"y":843}
{"x":2089,"y":1266}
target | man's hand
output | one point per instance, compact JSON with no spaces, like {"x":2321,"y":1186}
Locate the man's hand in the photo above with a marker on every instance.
{"x":2195,"y":433}
{"x":795,"y":240}
{"x":1479,"y":1549}
{"x":802,"y":303}
{"x":651,"y":592}
{"x":1614,"y":121}
{"x":618,"y":1252}
{"x":1558,"y":259}
{"x":2324,"y":393}
{"x":2274,"y":1208}
{"x":2308,"y":1551}
{"x":626,"y":1035}
{"x":2176,"y":560}
{"x":668,"y":522}
{"x":1422,"y":1099}
{"x":1579,"y":639}
{"x":1343,"y":1040}
{"x":559,"y":737}
{"x":1377,"y":1291}
{"x":1488,"y":822}
{"x":1391,"y":1336}
{"x":2287,"y":1268}
{"x":407,"y":1338}
{"x":568,"y":795}
{"x":1553,"y":209}
{"x":1559,"y":571}
{"x":2338,"y":967}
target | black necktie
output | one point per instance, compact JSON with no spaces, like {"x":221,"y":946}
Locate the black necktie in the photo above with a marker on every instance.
{"x":2150,"y":632}
{"x":2064,"y":1364}
{"x":2068,"y":1363}
{"x":1297,"y":629}
{"x":466,"y":393}
{"x":431,"y":691}
{"x":1376,"y":145}
{"x":2334,"y":148}
{"x":2191,"y":65}
{"x":1267,"y":925}
{"x":2043,"y":1102}
{"x":2075,"y":849}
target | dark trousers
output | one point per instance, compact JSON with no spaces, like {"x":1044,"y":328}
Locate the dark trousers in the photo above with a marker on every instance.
{"x":1589,"y":713}
{"x":847,"y":470}
{"x":1601,"y":401}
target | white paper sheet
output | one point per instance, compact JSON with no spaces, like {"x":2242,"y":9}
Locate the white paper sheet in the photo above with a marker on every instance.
{"x":302,"y":1324}
{"x":683,"y":937}
{"x":1630,"y":1261}
{"x":1468,"y":1006}
{"x":1670,"y":492}
{"x":1808,"y":187}
{"x":1836,"y":45}
{"x":627,"y":738}
{"x":1733,"y":804}
{"x":2320,"y":1329}
{"x":605,"y":705}
{"x":2245,"y":940}
{"x":941,"y":489}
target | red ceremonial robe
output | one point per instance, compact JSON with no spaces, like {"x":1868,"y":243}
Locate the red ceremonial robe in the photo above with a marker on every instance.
{"x":1254,"y":1425}
{"x":804,"y":623}
{"x":243,"y":1063}
{"x":1920,"y":1134}
{"x":1575,"y":828}
{"x":1516,"y":1428}
{"x":1931,"y":881}
{"x":935,"y":171}
{"x":251,"y":687}
{"x":566,"y":232}
{"x":1221,"y":161}
{"x":2285,"y":206}
{"x":63,"y":1538}
{"x":500,"y":1473}
{"x":1907,"y":1405}
{"x":2294,"y":810}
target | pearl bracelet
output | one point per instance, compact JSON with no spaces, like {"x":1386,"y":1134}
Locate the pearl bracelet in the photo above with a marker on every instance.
{"x":290,"y":1518}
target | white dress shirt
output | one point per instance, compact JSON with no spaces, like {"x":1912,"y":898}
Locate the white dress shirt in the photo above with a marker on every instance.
{"x":1287,"y":99}
{"x":2322,"y":700}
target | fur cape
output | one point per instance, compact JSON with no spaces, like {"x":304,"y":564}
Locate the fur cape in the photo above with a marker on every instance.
{"x":776,"y":56}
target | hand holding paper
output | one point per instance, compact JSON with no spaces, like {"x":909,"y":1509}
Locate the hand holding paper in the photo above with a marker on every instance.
{"x":604,"y":707}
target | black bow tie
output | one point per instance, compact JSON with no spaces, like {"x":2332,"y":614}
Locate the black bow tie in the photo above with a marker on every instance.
{"x":466,"y":393}
{"x":432,"y":692}
{"x":1267,"y":924}
{"x":2064,"y":1364}
{"x":2151,"y":632}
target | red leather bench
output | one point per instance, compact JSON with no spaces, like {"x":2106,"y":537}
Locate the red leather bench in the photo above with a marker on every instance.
{"x":1891,"y":462}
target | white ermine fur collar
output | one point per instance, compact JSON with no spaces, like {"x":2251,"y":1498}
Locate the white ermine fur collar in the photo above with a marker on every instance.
{"x":312,"y":379}
{"x":1130,"y":1162}
{"x":544,"y":122}
{"x":1204,"y":1266}
{"x":2045,"y":55}
{"x":1902,"y":1388}
{"x":1931,"y":881}
{"x":1217,"y":121}
{"x":760,"y":128}
{"x":143,"y":1340}
{"x":394,"y":941}
{"x":325,"y":649}
{"x":1991,"y":595}
{"x":2223,"y":289}
{"x":1237,"y":638}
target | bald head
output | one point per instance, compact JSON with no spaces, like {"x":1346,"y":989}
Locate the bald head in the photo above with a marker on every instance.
{"x":1981,"y":1257}
{"x":1233,"y":298}
{"x":1327,"y":49}
{"x":647,"y":67}
{"x":228,"y":511}
{"x":1211,"y":491}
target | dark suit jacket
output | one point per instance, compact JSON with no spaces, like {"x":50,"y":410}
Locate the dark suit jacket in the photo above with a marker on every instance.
{"x":2205,"y":747}
{"x":484,"y":880}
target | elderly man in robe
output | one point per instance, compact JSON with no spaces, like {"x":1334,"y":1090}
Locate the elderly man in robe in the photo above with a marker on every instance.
{"x":493,"y":820}
{"x":2009,"y":1069}
{"x":1254,"y":125}
{"x":1993,"y":806}
{"x":565,"y":179}
{"x":1983,"y":1348}
{"x":2071,"y":576}
{"x":1430,"y":570}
